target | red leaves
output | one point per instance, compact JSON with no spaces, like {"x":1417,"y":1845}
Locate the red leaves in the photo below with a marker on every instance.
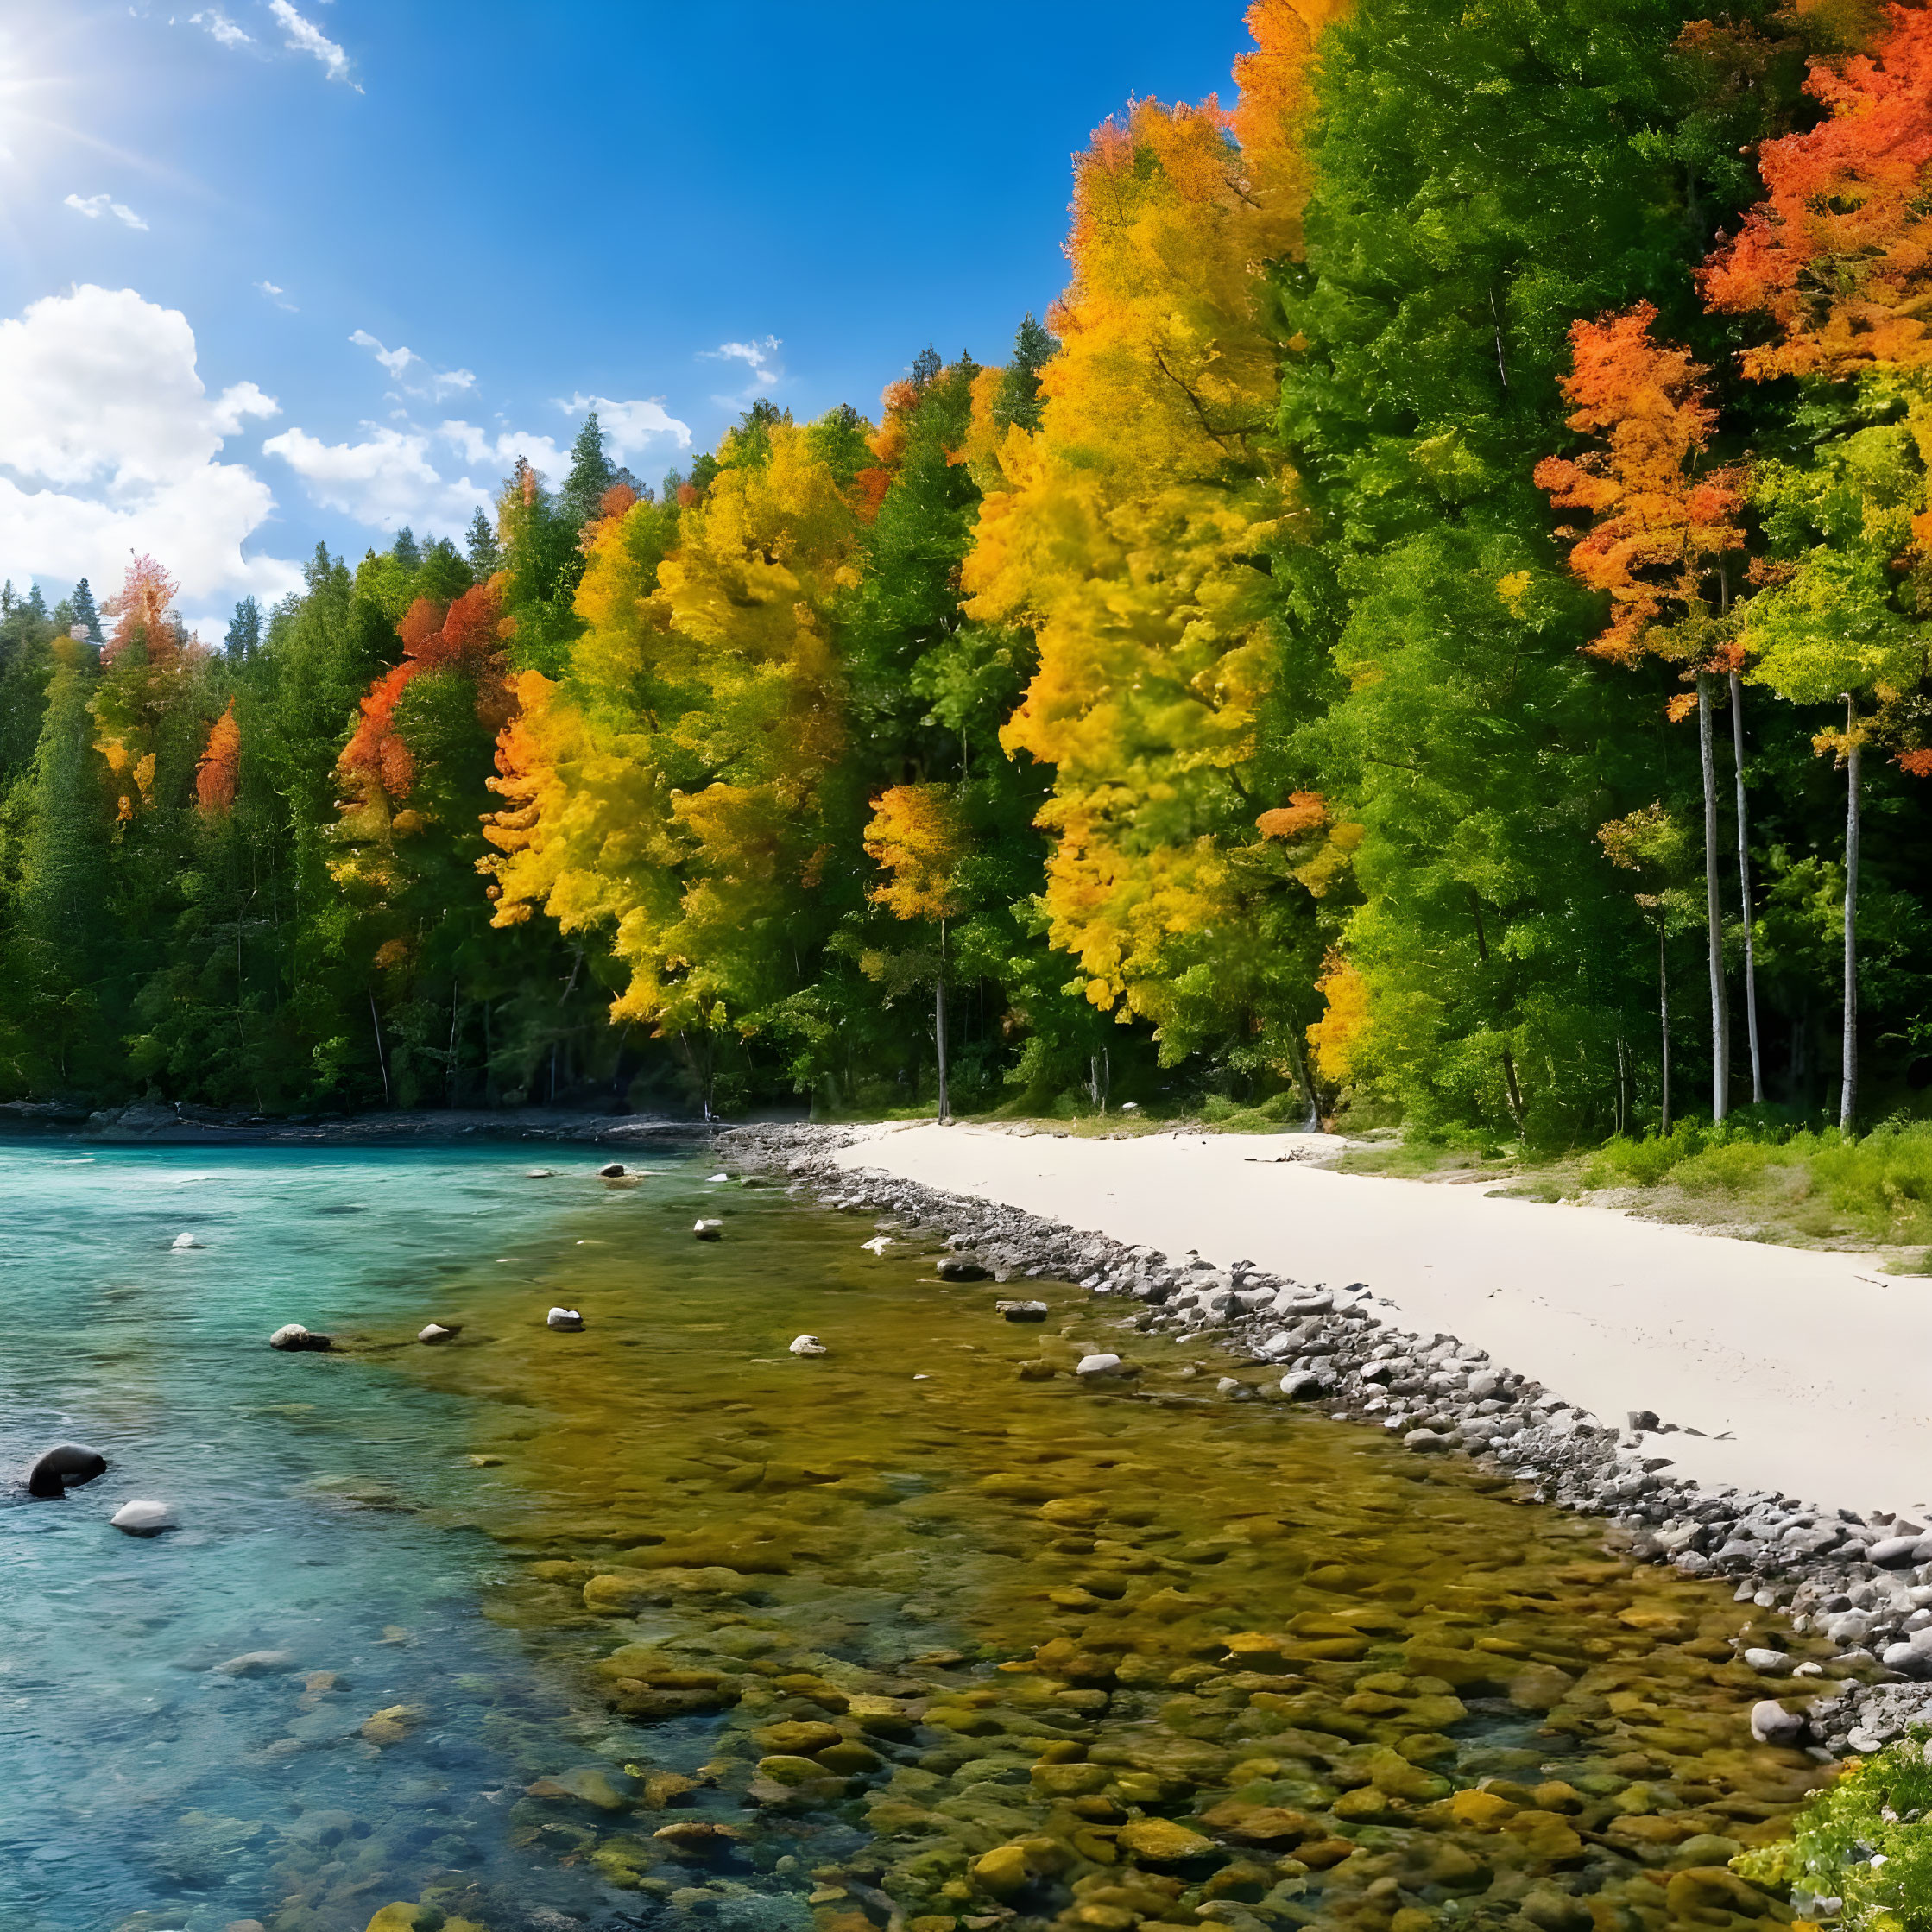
{"x":1840,"y":250}
{"x":466,"y":636}
{"x":215,"y":776}
{"x":142,"y":604}
{"x":616,"y":501}
{"x":1305,"y":812}
{"x":1661,"y":528}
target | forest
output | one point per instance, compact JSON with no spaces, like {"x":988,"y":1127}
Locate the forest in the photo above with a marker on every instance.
{"x":1432,"y":627}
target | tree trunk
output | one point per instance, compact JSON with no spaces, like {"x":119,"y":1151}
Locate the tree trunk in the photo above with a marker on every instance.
{"x":1663,"y":1021}
{"x":381,"y":1059}
{"x":1744,"y":894}
{"x":1848,"y":1095}
{"x":939,"y":1029}
{"x":1713,"y":912}
{"x":1311,"y":1121}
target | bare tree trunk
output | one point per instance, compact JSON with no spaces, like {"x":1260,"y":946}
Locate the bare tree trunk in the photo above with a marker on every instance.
{"x":1663,"y":1019}
{"x":1744,"y":894}
{"x":939,"y":1029}
{"x":381,"y":1059}
{"x":1713,"y":912}
{"x":1848,"y":1095}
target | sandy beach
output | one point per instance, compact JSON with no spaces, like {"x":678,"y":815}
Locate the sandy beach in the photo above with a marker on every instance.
{"x":1807,"y":1372}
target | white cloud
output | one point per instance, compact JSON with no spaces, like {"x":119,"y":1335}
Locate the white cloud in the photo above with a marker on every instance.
{"x":757,"y":357}
{"x":393,"y":477}
{"x":223,"y":29}
{"x":109,"y":443}
{"x":95,"y":206}
{"x":433,"y":385}
{"x":306,"y":37}
{"x":275,"y":292}
{"x":630,"y":428}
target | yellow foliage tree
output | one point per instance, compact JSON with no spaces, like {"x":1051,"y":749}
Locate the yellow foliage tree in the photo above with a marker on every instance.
{"x":1129,"y":535}
{"x":665,"y":792}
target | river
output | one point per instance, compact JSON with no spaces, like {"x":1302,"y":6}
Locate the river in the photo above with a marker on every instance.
{"x":658,"y":1623}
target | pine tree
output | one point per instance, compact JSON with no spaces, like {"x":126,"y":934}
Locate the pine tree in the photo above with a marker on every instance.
{"x":244,"y":632}
{"x":926,"y":366}
{"x":1017,"y":404}
{"x":485,"y":558}
{"x":591,"y":475}
{"x":85,"y":615}
{"x":407,"y":551}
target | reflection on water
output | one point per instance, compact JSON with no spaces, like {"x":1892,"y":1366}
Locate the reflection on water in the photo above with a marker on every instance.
{"x":659,"y":1619}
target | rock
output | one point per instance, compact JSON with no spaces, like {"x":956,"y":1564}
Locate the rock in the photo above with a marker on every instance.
{"x":1894,"y":1552}
{"x":182,"y":1242}
{"x":567,"y":1319}
{"x":392,"y":1725}
{"x":1705,"y":1894}
{"x":1036,"y":1370}
{"x":1161,"y":1841}
{"x":1771,"y":1662}
{"x":64,"y":1467}
{"x":807,"y":1345}
{"x":715,"y":1177}
{"x":142,"y":1518}
{"x":293,"y":1338}
{"x":1097,"y":1365}
{"x":1426,"y":1441}
{"x":255,"y":1663}
{"x":1771,"y":1723}
{"x":877,"y":1245}
{"x":708,"y":1230}
{"x":540,"y":1173}
{"x":959,"y":1267}
{"x":1022,"y":1311}
{"x":439,"y":1331}
{"x":1298,"y":1384}
{"x":615,"y":1170}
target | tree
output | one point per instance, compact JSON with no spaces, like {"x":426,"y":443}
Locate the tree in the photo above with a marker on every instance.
{"x":244,"y":631}
{"x":485,"y":558}
{"x":1017,"y":400}
{"x":85,"y":616}
{"x":1662,"y":545}
{"x":590,"y":474}
{"x":214,"y":777}
{"x":1651,"y":842}
{"x":918,"y":836}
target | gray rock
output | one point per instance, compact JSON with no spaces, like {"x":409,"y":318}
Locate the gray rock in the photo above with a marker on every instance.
{"x":1771,"y":1723}
{"x":1894,"y":1552}
{"x":254,"y":1663}
{"x":439,"y":1331}
{"x":1426,"y":1440}
{"x":64,"y":1467}
{"x":565,"y":1319}
{"x":1767,"y":1661}
{"x":808,"y":1345}
{"x":709,"y":1230}
{"x":142,"y":1518}
{"x":1022,"y":1311}
{"x":1097,"y":1365}
{"x":1298,"y":1384}
{"x":615,"y":1170}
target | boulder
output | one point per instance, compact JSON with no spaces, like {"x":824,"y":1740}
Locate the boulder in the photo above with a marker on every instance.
{"x":1771,"y":1723}
{"x":1097,"y":1365}
{"x":64,"y":1467}
{"x":612,"y":1170}
{"x":566,"y":1319}
{"x":1022,"y":1311}
{"x":142,"y":1518}
{"x":1298,"y":1384}
{"x":709,"y":1230}
{"x":807,"y":1345}
{"x":959,"y":1267}
{"x":293,"y":1338}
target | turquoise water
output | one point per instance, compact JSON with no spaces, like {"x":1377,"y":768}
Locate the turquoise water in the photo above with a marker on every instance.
{"x":324,"y":1505}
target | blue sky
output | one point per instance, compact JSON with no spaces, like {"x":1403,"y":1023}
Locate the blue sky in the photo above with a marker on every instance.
{"x":223,"y":226}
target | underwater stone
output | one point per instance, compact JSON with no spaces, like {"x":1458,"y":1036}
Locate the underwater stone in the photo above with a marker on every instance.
{"x":142,"y":1518}
{"x":293,"y":1337}
{"x":439,"y":1331}
{"x":565,"y":1319}
{"x":615,"y":1170}
{"x":708,"y":1230}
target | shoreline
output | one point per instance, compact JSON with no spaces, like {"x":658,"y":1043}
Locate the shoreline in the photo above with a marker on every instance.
{"x":1861,"y":1580}
{"x":183,"y":1124}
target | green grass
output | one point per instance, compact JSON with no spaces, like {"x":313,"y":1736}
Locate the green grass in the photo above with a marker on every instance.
{"x":1879,"y":1183}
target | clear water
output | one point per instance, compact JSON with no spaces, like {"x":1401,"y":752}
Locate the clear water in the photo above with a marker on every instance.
{"x":527,"y":1547}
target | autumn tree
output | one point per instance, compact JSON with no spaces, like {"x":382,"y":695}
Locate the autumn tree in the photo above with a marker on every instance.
{"x":1663,"y":544}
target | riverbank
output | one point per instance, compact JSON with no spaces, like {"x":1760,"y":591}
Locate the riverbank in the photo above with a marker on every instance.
{"x":184,"y":1124}
{"x":1504,"y":1328}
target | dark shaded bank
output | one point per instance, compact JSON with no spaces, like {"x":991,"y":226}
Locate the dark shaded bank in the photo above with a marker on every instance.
{"x":1864,"y":1586}
{"x":184,"y":1122}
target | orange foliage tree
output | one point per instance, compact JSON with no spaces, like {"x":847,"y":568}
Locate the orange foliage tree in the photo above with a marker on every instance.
{"x":215,"y":776}
{"x":1664,"y":534}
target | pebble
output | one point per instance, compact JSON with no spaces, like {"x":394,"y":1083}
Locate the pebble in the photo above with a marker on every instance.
{"x":808,"y":1345}
{"x":565,"y":1318}
{"x":292,"y":1337}
{"x":142,"y":1518}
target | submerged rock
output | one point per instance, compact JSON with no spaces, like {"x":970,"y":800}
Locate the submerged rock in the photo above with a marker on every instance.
{"x":708,"y":1230}
{"x":439,"y":1331}
{"x":64,"y":1467}
{"x":254,"y":1663}
{"x":612,"y":1170}
{"x":1097,"y":1365}
{"x":807,"y":1345}
{"x":142,"y":1518}
{"x":567,"y":1319}
{"x":183,"y":1241}
{"x":1022,"y":1311}
{"x":293,"y":1337}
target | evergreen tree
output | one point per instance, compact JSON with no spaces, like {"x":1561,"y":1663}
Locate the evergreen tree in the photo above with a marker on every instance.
{"x":485,"y":558}
{"x":1017,"y":404}
{"x":591,"y":475}
{"x":244,"y":631}
{"x":407,"y":551}
{"x":926,"y":366}
{"x":85,"y":613}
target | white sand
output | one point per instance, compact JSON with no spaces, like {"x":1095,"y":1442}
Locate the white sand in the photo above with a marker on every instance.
{"x":1816,"y":1365}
